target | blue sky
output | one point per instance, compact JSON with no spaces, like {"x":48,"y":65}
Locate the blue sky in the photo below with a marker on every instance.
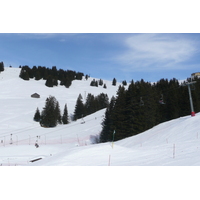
{"x":124,"y":56}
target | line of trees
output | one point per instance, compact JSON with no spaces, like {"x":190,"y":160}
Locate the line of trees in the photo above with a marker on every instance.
{"x":143,"y":105}
{"x":50,"y":75}
{"x":96,"y":83}
{"x":91,"y":105}
{"x":51,"y":114}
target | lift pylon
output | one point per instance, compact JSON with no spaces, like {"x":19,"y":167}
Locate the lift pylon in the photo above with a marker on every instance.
{"x":190,"y":96}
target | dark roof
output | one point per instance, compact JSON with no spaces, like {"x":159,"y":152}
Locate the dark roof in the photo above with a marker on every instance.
{"x":35,"y":95}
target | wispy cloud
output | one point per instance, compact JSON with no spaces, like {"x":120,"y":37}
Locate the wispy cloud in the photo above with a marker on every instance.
{"x":157,"y":51}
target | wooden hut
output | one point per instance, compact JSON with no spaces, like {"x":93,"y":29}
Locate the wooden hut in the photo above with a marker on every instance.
{"x":35,"y":95}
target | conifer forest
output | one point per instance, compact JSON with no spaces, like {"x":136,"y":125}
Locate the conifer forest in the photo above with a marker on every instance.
{"x":143,"y":105}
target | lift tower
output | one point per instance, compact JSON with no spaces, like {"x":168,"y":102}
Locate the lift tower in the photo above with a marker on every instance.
{"x":190,"y":96}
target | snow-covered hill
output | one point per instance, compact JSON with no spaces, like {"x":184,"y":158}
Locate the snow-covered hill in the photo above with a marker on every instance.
{"x":176,"y":142}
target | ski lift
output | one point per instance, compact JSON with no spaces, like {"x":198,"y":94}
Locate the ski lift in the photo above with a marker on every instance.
{"x":192,"y":87}
{"x":141,"y":102}
{"x":83,"y":121}
{"x":161,"y":100}
{"x":36,"y":145}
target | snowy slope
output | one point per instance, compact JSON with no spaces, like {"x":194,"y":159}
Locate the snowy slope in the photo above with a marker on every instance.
{"x":172,"y":143}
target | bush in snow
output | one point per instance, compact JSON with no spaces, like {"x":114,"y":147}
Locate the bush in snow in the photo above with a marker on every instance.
{"x":94,"y":139}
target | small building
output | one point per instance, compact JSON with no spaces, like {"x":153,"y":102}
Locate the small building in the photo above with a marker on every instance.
{"x":197,"y":74}
{"x":35,"y":95}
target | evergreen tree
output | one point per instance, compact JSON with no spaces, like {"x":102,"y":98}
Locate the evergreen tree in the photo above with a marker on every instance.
{"x":1,"y":67}
{"x":124,"y":83}
{"x":58,"y":113}
{"x":114,"y":82}
{"x":49,"y":81}
{"x":37,"y":75}
{"x":79,"y":111}
{"x":79,"y":76}
{"x":37,"y":115}
{"x":54,"y":71}
{"x":107,"y":125}
{"x":119,"y":114}
{"x":90,"y":104}
{"x":67,"y":82}
{"x":86,"y":77}
{"x":96,"y":83}
{"x":55,"y":82}
{"x":65,"y":117}
{"x":102,"y":101}
{"x":24,"y":74}
{"x":100,"y":82}
{"x":93,"y":82}
{"x":50,"y":114}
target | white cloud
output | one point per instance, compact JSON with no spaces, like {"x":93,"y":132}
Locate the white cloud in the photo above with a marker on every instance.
{"x":153,"y":51}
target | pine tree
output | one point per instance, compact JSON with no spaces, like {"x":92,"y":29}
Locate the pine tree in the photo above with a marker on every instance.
{"x":1,"y":67}
{"x":119,"y":113}
{"x":24,"y":74}
{"x":93,"y":82}
{"x":55,"y":82}
{"x":50,"y":113}
{"x":107,"y":125}
{"x":49,"y":81}
{"x":58,"y":113}
{"x":100,"y":82}
{"x":67,"y":82}
{"x":114,"y":82}
{"x":37,"y":115}
{"x":96,"y":83}
{"x":102,"y":101}
{"x":65,"y":117}
{"x":37,"y":75}
{"x":90,"y":104}
{"x":86,"y":77}
{"x":124,"y":83}
{"x":79,"y":111}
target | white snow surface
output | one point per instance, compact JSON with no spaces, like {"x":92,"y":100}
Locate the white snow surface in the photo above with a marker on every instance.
{"x":173,"y":143}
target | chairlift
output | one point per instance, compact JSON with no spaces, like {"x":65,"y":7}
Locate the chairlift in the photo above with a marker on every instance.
{"x":161,"y":100}
{"x":36,"y":145}
{"x":192,"y":87}
{"x":83,"y":121}
{"x":141,"y":102}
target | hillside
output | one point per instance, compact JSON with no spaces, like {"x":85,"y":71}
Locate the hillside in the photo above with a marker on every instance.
{"x":171,"y":143}
{"x":18,"y":109}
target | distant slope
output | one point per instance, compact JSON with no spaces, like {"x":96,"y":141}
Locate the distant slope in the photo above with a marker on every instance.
{"x":18,"y":106}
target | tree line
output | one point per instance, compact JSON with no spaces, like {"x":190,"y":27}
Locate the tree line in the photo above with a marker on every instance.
{"x":143,"y":105}
{"x":51,"y":113}
{"x":50,"y":75}
{"x":96,"y":83}
{"x":91,"y":105}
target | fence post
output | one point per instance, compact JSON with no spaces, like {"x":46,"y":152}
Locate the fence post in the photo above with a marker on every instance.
{"x":174,"y":151}
{"x":109,"y":161}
